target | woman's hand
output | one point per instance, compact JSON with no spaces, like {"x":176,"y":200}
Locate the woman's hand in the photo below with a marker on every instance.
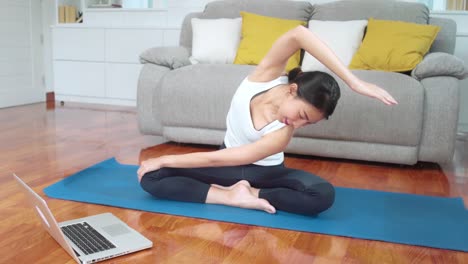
{"x":373,"y":91}
{"x":149,"y":165}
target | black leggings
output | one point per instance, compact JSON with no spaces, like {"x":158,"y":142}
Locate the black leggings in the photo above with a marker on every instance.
{"x":286,"y":189}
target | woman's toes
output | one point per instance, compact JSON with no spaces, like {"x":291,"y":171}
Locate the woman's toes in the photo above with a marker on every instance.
{"x":268,"y":207}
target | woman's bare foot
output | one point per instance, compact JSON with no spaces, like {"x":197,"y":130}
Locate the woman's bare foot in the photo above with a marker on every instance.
{"x":232,"y":186}
{"x":241,"y":195}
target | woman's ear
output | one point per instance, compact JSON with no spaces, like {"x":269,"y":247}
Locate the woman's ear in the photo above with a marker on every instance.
{"x":293,"y":89}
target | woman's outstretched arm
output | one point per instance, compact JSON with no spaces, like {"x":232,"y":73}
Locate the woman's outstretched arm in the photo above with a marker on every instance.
{"x":274,"y":63}
{"x":268,"y":145}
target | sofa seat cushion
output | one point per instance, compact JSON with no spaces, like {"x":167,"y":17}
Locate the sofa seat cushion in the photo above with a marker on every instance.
{"x":359,"y":9}
{"x":199,"y":96}
{"x":360,"y":118}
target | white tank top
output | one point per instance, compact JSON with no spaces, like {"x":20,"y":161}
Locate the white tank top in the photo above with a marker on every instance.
{"x":240,"y":128}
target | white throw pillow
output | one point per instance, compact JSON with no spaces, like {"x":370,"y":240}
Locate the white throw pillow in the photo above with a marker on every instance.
{"x":215,"y":40}
{"x":343,"y":37}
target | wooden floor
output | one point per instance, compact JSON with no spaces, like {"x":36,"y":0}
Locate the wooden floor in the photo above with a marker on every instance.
{"x":45,"y":144}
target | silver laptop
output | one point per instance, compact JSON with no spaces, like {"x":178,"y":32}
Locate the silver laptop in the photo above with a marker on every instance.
{"x":89,"y":239}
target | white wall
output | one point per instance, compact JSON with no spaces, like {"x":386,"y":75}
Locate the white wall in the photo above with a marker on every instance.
{"x":21,"y":57}
{"x":48,"y":19}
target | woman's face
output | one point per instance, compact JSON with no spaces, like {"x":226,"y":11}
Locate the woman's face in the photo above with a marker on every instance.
{"x":297,"y":112}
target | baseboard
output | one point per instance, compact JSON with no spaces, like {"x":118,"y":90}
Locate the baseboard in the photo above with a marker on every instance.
{"x":96,"y":100}
{"x":50,"y":97}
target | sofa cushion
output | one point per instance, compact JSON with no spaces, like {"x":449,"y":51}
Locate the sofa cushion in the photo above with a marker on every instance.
{"x":393,"y":45}
{"x":215,"y":40}
{"x":364,"y":9}
{"x":343,"y":37}
{"x":258,"y":35}
{"x":199,"y":96}
{"x":295,"y":10}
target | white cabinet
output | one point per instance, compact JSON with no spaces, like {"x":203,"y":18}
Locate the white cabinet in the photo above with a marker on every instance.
{"x":82,"y":44}
{"x":118,"y":17}
{"x":74,"y":78}
{"x":125,"y":45}
{"x":121,"y":80}
{"x":99,"y":64}
{"x":97,"y":61}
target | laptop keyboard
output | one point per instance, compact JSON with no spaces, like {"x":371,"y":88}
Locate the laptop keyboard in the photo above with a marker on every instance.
{"x":87,"y":238}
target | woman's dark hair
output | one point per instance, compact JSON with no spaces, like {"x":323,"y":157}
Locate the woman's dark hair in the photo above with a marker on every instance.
{"x":318,"y":88}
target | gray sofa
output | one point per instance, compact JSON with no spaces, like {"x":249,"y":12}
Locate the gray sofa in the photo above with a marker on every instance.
{"x":188,"y":103}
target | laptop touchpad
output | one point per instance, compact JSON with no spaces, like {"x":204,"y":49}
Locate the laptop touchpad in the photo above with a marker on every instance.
{"x":116,"y":229}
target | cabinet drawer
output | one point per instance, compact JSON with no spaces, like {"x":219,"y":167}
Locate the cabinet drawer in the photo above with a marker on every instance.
{"x":126,"y":45}
{"x":79,"y":78}
{"x":122,"y":80}
{"x":82,"y":44}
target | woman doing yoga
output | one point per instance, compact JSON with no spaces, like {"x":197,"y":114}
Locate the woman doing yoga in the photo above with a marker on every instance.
{"x":248,"y":170}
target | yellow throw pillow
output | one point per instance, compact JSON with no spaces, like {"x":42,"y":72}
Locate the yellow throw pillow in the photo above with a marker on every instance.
{"x":393,"y":45}
{"x":258,"y":35}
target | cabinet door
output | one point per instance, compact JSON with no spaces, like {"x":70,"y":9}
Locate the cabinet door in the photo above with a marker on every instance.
{"x":122,"y":80}
{"x":79,"y":78}
{"x":126,"y":45}
{"x":80,"y":44}
{"x":171,"y":37}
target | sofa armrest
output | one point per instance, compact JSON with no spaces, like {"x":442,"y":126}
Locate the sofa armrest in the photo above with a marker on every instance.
{"x":148,"y":112}
{"x":440,"y":64}
{"x":170,"y":57}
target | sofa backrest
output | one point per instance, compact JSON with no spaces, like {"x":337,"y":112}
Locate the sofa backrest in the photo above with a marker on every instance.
{"x":286,"y":9}
{"x":337,"y":11}
{"x":445,"y":40}
{"x":379,"y":9}
{"x":390,"y":10}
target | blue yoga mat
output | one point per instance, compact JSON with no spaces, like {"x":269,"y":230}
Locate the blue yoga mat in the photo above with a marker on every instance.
{"x":393,"y":217}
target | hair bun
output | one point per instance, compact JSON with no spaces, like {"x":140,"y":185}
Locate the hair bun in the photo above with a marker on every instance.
{"x":294,"y":73}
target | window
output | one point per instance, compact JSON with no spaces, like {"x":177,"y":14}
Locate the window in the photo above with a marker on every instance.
{"x":456,"y":5}
{"x":446,"y":5}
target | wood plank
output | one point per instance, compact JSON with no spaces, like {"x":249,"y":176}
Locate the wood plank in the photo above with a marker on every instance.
{"x":44,"y":143}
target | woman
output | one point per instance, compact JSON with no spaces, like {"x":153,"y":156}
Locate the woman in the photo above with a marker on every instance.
{"x":267,"y":108}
